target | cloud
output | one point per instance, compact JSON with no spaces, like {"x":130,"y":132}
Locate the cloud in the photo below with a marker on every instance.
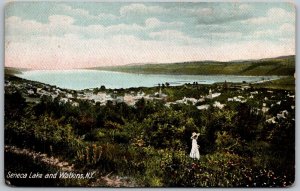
{"x":59,"y":25}
{"x":208,"y":28}
{"x":273,"y":15}
{"x":226,"y":35}
{"x":218,"y":15}
{"x":174,"y":36}
{"x":155,"y":23}
{"x":223,"y":16}
{"x":121,"y":28}
{"x":265,"y":33}
{"x":245,"y":7}
{"x":106,"y":16}
{"x":141,"y":9}
{"x":287,"y":28}
{"x":167,"y":35}
{"x":75,"y":12}
{"x":69,"y":10}
{"x":60,"y":20}
{"x":202,"y":15}
{"x":205,"y":15}
{"x":284,"y":31}
{"x":279,"y":13}
{"x":14,"y":21}
{"x":198,"y":12}
{"x":16,"y":26}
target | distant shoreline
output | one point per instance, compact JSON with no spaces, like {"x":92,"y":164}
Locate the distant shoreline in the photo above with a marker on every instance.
{"x":280,"y":82}
{"x":278,"y":66}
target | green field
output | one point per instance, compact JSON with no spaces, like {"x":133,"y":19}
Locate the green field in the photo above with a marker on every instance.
{"x":287,"y":83}
{"x":281,"y":66}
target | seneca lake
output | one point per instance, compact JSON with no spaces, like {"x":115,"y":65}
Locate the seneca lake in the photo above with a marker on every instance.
{"x":85,"y":79}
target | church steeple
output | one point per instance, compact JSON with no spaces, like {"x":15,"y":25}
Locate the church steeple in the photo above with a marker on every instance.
{"x":210,"y":94}
{"x":160,"y":93}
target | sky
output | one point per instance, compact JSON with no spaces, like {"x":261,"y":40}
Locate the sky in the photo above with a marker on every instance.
{"x":69,"y":35}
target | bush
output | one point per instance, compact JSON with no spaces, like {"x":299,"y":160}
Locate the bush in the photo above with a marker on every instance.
{"x":170,"y":129}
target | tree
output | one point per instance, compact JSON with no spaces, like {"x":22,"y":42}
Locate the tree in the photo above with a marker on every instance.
{"x":15,"y":104}
{"x":169,"y":129}
{"x":102,"y":88}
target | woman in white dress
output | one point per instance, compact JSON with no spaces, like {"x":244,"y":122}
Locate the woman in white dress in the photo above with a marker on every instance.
{"x":195,"y":151}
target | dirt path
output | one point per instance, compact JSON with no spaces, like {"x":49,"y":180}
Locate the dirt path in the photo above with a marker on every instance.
{"x":103,"y":181}
{"x":41,"y":157}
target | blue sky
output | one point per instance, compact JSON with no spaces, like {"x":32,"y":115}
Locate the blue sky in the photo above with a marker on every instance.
{"x":53,"y":35}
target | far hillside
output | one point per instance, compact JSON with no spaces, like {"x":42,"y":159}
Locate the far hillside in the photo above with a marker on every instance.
{"x":282,"y":66}
{"x":11,"y":71}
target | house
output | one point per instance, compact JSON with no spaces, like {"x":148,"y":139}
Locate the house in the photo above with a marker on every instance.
{"x":283,"y":114}
{"x":201,"y":99}
{"x":230,"y":99}
{"x":186,"y":100}
{"x":38,"y":90}
{"x":209,"y":94}
{"x":53,"y":96}
{"x":64,"y":100}
{"x":218,"y":105}
{"x":69,"y":95}
{"x":160,"y":94}
{"x":245,"y":87}
{"x":212,"y":95}
{"x":291,"y":96}
{"x":202,"y":107}
{"x":265,"y":109}
{"x":271,"y":120}
{"x":30,"y":92}
{"x":75,"y":104}
{"x":129,"y":99}
{"x":141,"y":94}
{"x":168,"y":104}
{"x":190,"y":100}
{"x":119,"y":99}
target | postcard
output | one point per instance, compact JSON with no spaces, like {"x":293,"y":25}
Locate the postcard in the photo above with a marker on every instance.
{"x":149,"y":94}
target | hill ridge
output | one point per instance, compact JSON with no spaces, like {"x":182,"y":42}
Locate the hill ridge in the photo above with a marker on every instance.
{"x":283,"y":66}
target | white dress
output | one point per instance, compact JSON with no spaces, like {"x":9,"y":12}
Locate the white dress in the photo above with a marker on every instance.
{"x":195,"y":151}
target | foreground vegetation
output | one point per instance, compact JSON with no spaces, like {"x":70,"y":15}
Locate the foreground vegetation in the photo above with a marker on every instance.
{"x":281,"y":66}
{"x":150,"y":142}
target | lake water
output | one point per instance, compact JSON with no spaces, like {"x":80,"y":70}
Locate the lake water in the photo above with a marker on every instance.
{"x":83,"y":79}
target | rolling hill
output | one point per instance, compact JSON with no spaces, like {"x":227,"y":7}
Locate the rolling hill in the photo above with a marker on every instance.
{"x":11,"y":71}
{"x":282,"y":66}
